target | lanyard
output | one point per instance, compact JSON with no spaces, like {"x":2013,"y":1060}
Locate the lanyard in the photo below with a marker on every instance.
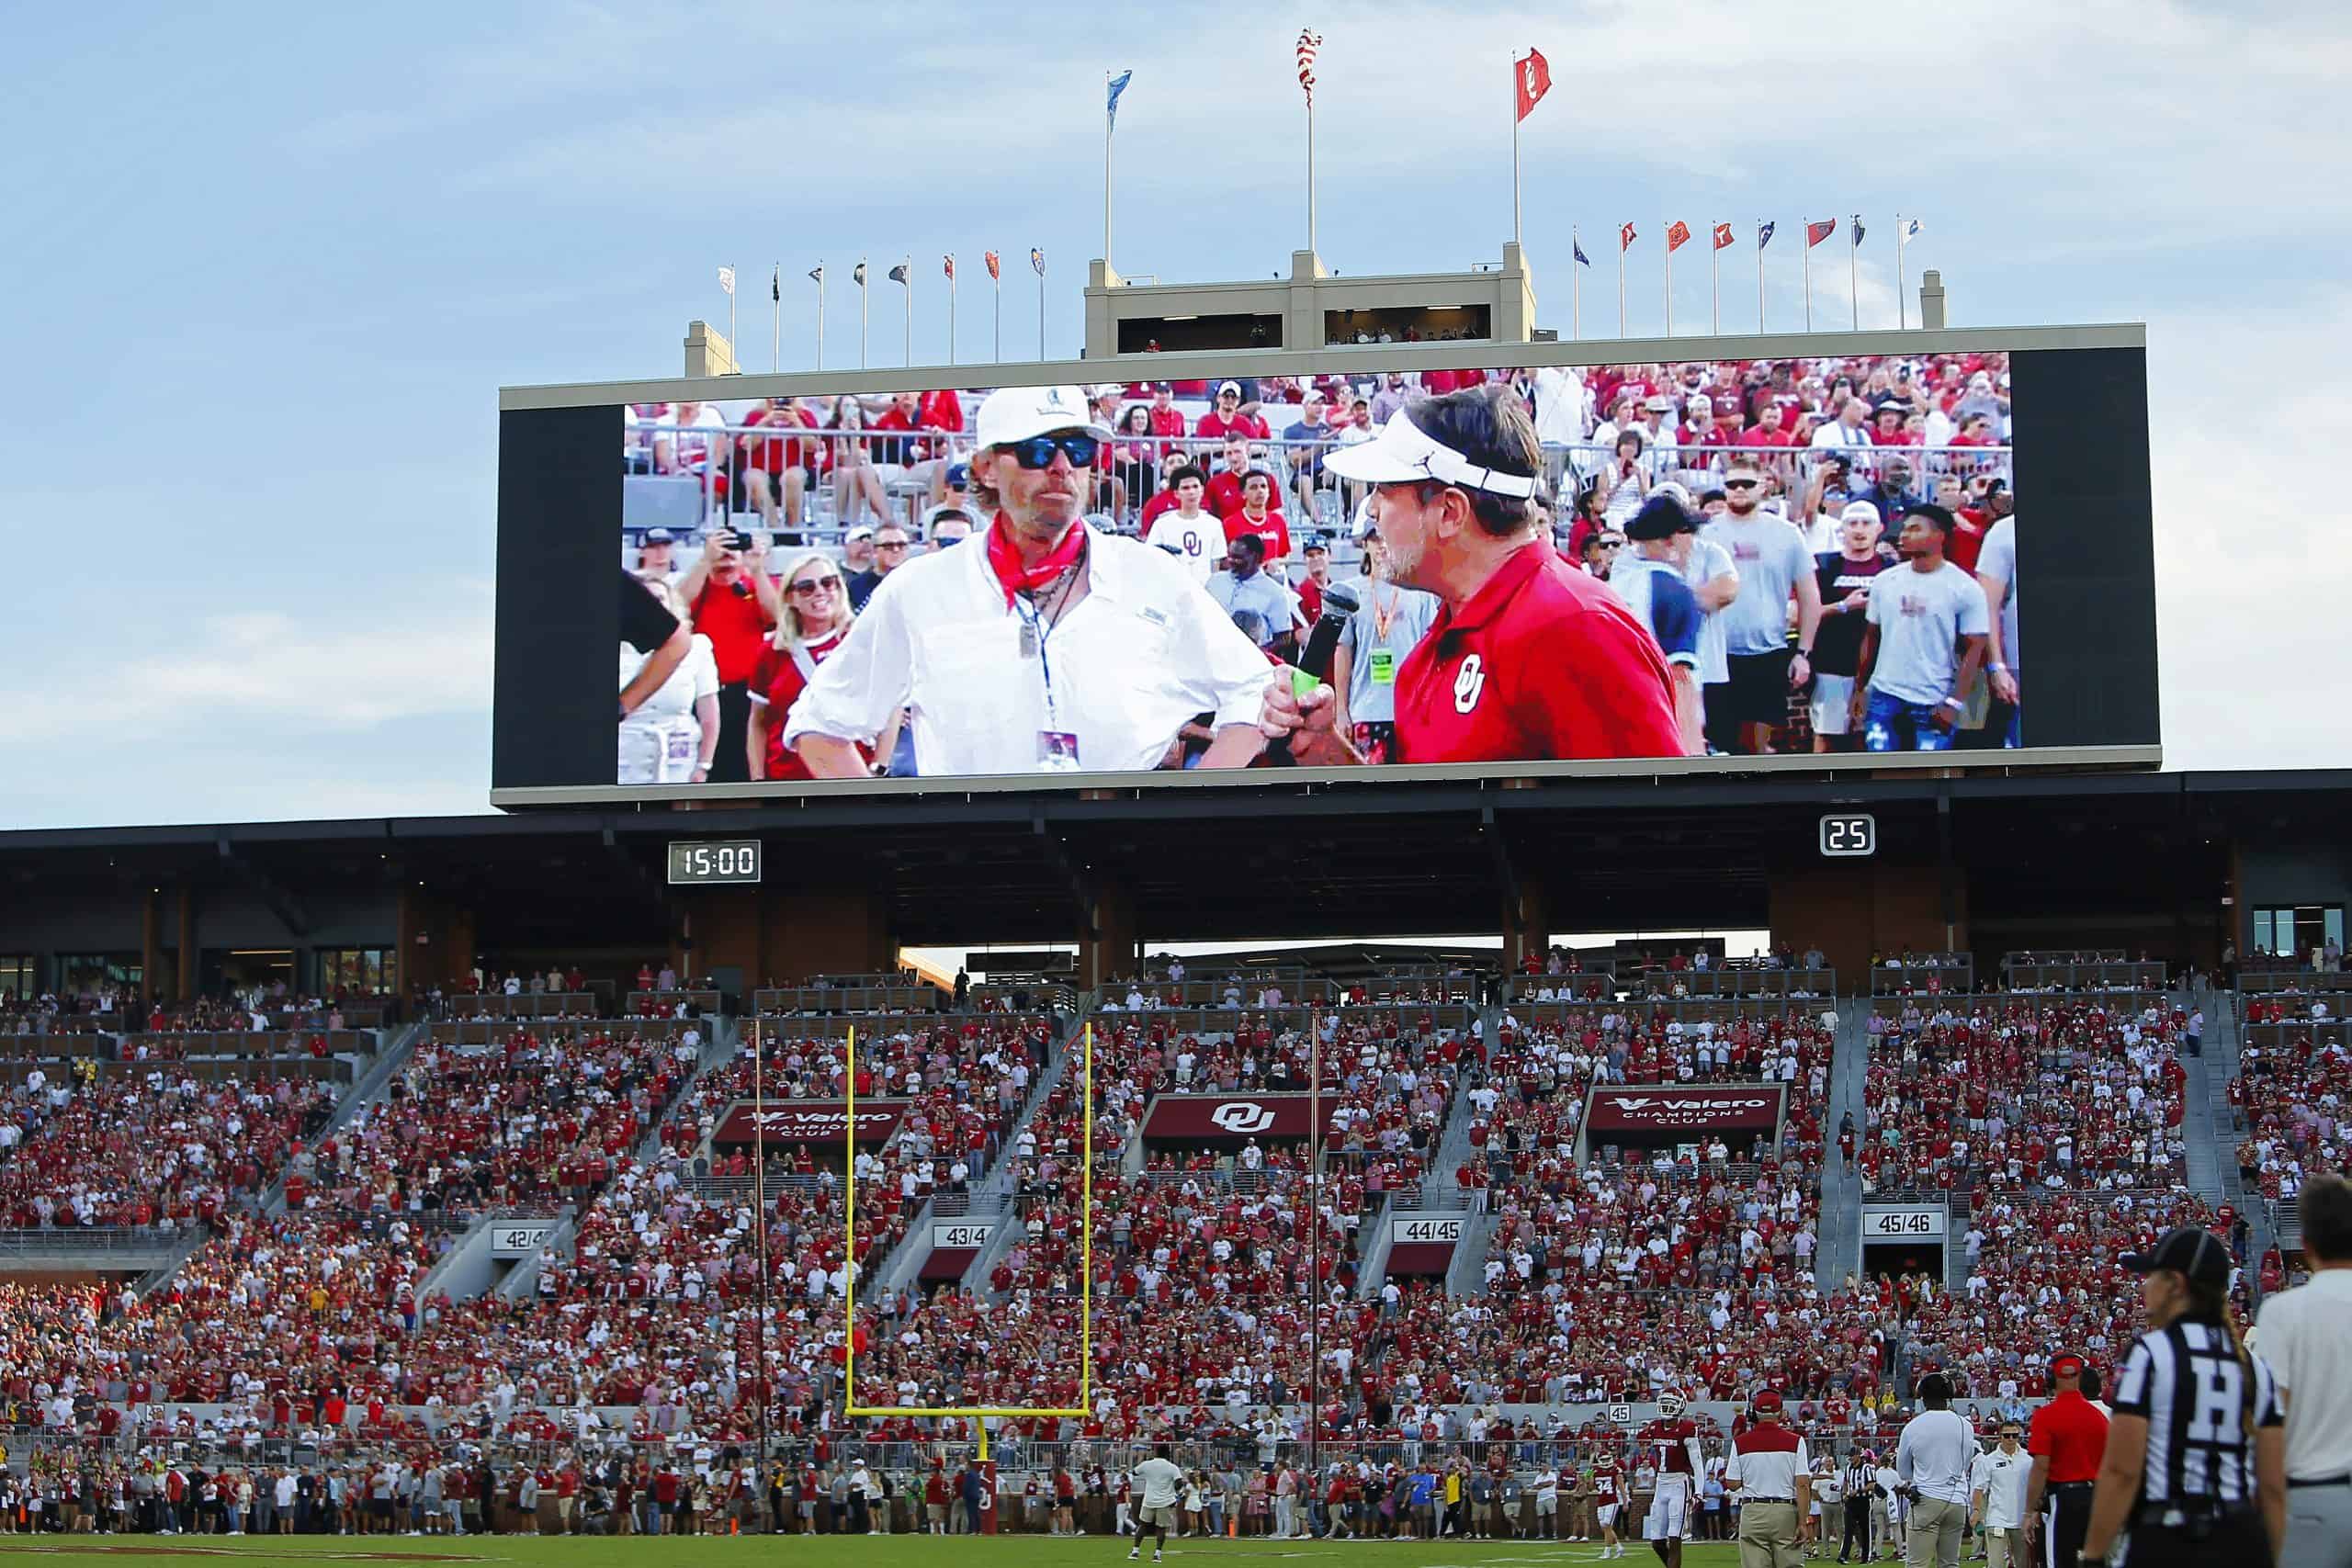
{"x":1385,"y":617}
{"x":1035,"y":630}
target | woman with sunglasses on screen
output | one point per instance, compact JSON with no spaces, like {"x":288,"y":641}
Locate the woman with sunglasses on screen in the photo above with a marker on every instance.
{"x":1044,"y":646}
{"x":817,"y":617}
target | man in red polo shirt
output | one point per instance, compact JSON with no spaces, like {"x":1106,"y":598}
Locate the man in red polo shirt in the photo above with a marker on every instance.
{"x":1529,"y":658}
{"x":2067,"y":1441}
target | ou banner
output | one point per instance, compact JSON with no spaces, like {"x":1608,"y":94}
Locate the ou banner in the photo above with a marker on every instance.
{"x":1655,"y":1112}
{"x":809,"y":1122}
{"x":1232,"y":1118}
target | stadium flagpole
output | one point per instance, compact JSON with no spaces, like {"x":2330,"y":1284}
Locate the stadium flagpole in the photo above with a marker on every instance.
{"x":1576,"y":291}
{"x":951,"y":308}
{"x":1669,"y":280}
{"x":775,"y":302}
{"x":1854,"y":272}
{"x":1714,"y":284}
{"x":1808,"y":274}
{"x":1763,"y":237}
{"x":1623,"y":240}
{"x":760,"y":1218}
{"x":864,"y":315}
{"x":817,"y":275}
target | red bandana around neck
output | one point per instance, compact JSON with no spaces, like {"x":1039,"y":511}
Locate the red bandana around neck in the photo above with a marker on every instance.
{"x":1014,"y":578}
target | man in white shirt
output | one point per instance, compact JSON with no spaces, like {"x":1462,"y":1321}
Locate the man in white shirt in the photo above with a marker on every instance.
{"x":1044,"y":646}
{"x":1158,"y":1483}
{"x":1933,"y":1460}
{"x":1189,"y":533}
{"x":2306,"y":1336}
{"x":1997,"y":1487}
{"x":1924,"y":637}
{"x":1849,"y":430}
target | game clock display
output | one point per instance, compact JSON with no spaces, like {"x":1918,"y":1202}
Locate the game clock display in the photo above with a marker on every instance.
{"x":696,"y":862}
{"x":1848,"y":833}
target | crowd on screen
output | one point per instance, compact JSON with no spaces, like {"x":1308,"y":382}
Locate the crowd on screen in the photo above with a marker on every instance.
{"x":1783,"y":491}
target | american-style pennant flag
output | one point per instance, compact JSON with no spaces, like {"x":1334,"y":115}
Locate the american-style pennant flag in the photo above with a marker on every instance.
{"x":899,"y":273}
{"x":1677,"y":234}
{"x":1816,"y":233}
{"x":1764,"y":235}
{"x":995,"y":265}
{"x":1534,"y":77}
{"x":1625,"y":238}
{"x":1722,"y":236}
{"x":1309,"y":40}
{"x":950,"y":260}
{"x":1037,"y":260}
{"x":1857,"y":229}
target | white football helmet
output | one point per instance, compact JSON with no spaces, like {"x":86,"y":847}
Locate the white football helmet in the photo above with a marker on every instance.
{"x":1671,"y":1403}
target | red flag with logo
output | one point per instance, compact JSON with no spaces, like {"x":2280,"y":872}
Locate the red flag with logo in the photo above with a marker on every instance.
{"x":951,"y":267}
{"x":1625,"y":238}
{"x":1722,"y":235}
{"x":993,"y":265}
{"x":1816,"y":233}
{"x":1534,"y":80}
{"x":1677,"y":234}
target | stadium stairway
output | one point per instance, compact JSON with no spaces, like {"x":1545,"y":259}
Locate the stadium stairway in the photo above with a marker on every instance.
{"x":1374,"y":1265}
{"x":718,"y":1048}
{"x":1466,"y":1274}
{"x":1840,"y":1252}
{"x":992,"y":1193}
{"x":394,"y":1049}
{"x":2223,"y":1061}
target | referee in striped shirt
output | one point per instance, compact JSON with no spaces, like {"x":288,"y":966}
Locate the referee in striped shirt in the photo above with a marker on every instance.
{"x":2195,"y":1471}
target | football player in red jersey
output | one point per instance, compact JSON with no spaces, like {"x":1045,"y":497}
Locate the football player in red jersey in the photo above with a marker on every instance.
{"x":1670,"y":1443}
{"x":1609,"y":1500}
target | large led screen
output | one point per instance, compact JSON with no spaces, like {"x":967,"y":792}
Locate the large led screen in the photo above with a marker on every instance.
{"x":1346,"y":569}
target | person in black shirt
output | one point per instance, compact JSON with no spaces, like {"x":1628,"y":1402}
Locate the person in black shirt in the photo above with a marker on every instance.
{"x":1845,"y":579}
{"x":648,"y":627}
{"x":2195,"y":1470}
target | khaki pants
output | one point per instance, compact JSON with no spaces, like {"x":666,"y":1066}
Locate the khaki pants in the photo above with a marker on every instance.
{"x":1768,"y":1535}
{"x":2006,"y":1549}
{"x":1933,"y":1533}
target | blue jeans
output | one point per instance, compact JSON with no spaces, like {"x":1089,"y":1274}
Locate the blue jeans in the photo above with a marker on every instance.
{"x":1890,"y":724}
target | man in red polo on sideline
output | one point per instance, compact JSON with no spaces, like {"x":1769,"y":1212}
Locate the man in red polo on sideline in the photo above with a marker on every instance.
{"x":2068,"y":1441}
{"x":1529,"y":658}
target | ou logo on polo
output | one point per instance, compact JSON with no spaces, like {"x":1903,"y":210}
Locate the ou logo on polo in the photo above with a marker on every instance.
{"x":1468,"y":682}
{"x":1242,"y":1116}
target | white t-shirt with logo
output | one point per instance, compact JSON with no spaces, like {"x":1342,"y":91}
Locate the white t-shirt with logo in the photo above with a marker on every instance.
{"x":1770,"y":555}
{"x":1198,"y":541}
{"x":1920,"y":617}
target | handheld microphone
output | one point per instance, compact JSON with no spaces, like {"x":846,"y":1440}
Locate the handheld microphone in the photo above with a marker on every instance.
{"x":1322,"y":643}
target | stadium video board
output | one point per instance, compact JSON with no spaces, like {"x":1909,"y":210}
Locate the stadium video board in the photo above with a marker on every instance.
{"x":1385,"y":562}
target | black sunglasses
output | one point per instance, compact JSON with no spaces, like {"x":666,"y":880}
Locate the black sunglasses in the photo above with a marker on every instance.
{"x":891,"y":544}
{"x":810,"y":584}
{"x":1038,"y":452}
{"x":1741,"y":484}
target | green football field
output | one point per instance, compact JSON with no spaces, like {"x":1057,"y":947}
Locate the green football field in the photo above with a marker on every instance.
{"x":823,"y":1551}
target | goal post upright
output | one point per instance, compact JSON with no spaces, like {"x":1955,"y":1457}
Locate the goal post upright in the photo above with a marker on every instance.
{"x":978,"y":1413}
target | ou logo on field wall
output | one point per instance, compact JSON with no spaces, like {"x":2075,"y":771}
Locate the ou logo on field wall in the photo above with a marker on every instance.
{"x":1242,"y":1116}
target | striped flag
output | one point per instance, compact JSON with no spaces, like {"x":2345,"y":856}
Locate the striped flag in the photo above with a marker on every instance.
{"x":1309,"y":41}
{"x":1625,"y":238}
{"x":995,"y":265}
{"x":1677,"y":234}
{"x":1722,"y":236}
{"x":1816,"y":233}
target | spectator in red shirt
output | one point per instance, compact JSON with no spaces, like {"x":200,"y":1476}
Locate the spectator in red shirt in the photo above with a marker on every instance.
{"x":731,"y":600}
{"x":1167,"y":419}
{"x":1529,"y":657}
{"x":1229,"y":418}
{"x":776,"y":470}
{"x":1225,"y":485}
{"x":816,"y":617}
{"x":1258,"y":514}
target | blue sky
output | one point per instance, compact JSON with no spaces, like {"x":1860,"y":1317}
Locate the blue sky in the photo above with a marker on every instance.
{"x":269,"y":266}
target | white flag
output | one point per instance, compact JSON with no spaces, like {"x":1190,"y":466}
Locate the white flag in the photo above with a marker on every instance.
{"x":1911,"y":228}
{"x":726,"y":278}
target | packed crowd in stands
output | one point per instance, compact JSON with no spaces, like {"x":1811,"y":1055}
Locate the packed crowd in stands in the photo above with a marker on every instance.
{"x":83,"y":1145}
{"x":529,"y":1114}
{"x":2081,"y":1094}
{"x":2294,"y":1092}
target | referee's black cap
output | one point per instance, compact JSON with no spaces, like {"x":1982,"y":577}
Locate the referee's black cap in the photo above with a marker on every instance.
{"x":2190,"y":1249}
